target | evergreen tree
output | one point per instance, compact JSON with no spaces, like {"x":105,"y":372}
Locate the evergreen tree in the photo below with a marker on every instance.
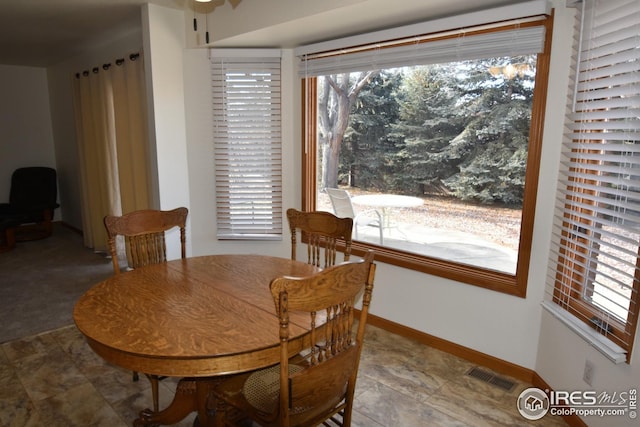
{"x":429,"y":120}
{"x":493,"y":146}
{"x":367,"y":145}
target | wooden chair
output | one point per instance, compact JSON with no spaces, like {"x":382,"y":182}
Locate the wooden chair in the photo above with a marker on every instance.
{"x":343,"y":207}
{"x":322,"y":230}
{"x":317,"y":384}
{"x":144,"y":236}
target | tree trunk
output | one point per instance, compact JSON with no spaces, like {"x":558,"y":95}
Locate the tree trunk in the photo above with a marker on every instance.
{"x":330,"y":157}
{"x":334,"y":108}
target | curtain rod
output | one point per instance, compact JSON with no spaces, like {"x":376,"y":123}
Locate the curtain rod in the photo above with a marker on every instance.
{"x":107,"y":65}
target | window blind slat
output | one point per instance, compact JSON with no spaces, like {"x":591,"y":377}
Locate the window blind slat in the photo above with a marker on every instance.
{"x":590,"y":74}
{"x":620,"y":113}
{"x":247,"y":145}
{"x":607,"y":61}
{"x":595,"y":88}
{"x":616,"y":205}
{"x":576,"y":225}
{"x":626,"y":102}
{"x":611,"y":125}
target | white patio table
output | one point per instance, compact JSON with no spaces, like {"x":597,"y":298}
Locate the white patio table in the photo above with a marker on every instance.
{"x":386,"y":203}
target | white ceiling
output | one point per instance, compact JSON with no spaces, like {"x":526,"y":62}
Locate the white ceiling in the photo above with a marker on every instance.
{"x":44,"y":32}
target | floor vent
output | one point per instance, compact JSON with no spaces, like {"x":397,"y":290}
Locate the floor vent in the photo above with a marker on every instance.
{"x":491,"y":378}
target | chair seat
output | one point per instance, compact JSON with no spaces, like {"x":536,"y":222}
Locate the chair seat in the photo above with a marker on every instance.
{"x":262,"y":388}
{"x":317,"y":384}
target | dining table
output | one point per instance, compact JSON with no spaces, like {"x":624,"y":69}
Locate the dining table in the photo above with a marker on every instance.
{"x":198,"y":319}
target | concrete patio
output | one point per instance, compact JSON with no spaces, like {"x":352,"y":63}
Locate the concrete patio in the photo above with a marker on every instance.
{"x":452,"y":245}
{"x":411,"y":229}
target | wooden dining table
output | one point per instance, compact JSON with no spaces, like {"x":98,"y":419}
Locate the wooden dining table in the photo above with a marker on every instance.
{"x":198,"y":318}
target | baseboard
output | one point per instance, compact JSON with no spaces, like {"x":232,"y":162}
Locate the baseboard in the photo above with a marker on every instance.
{"x":572,"y":420}
{"x":493,"y":363}
{"x":69,"y":226}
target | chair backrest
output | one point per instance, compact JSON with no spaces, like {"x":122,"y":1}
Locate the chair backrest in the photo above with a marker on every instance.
{"x":321,"y":230}
{"x":341,"y":202}
{"x":34,"y":188}
{"x":321,"y":380}
{"x":144,"y":235}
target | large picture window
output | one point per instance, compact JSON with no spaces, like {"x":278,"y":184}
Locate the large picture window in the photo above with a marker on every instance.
{"x":434,"y":143}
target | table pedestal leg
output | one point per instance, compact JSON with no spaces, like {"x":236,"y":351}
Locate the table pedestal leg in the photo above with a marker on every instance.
{"x":192,"y":394}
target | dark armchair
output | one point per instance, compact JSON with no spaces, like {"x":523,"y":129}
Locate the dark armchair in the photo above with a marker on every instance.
{"x":32,"y":201}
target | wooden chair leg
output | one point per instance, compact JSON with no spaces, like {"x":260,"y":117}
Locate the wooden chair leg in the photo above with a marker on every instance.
{"x":155,"y":380}
{"x":221,"y":413}
{"x":136,"y":377}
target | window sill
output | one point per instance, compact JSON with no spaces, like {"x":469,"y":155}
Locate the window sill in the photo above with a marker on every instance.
{"x":472,"y":275}
{"x":609,"y":349}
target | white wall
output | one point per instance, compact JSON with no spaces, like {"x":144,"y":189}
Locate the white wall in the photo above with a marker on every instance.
{"x":25,"y":121}
{"x":164,"y":44}
{"x":181,"y":119}
{"x":198,"y":106}
{"x":561,"y":359}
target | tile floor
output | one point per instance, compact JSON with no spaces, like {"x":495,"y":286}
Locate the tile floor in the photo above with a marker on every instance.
{"x":54,"y":379}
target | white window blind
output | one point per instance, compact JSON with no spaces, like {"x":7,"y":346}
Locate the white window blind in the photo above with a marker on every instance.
{"x":247,"y":144}
{"x":422,"y":50}
{"x":452,"y":38}
{"x":594,"y":267}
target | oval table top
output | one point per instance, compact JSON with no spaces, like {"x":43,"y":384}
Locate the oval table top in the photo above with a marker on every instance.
{"x":388,"y":201}
{"x":200,"y":316}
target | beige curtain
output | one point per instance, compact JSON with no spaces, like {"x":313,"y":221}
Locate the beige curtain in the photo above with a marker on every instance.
{"x":111,"y":125}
